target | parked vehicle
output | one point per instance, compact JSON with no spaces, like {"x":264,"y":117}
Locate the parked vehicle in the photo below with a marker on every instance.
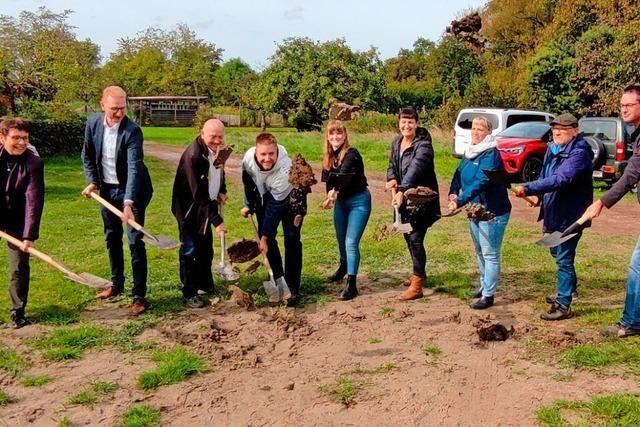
{"x":609,"y":139}
{"x":500,"y":119}
{"x":522,"y":148}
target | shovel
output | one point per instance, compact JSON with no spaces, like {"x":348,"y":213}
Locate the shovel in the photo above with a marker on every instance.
{"x":270,"y":286}
{"x":398,"y":226}
{"x":451,"y":212}
{"x":501,"y":177}
{"x":557,"y":237}
{"x":83,"y":278}
{"x":159,"y":241}
{"x":224,"y":269}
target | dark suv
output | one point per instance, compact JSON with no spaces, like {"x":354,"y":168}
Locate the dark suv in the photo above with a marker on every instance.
{"x":609,"y":139}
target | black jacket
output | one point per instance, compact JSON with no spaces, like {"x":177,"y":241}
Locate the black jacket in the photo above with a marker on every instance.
{"x":190,"y":202}
{"x":629,"y":179}
{"x":412,"y":169}
{"x":348,"y":178}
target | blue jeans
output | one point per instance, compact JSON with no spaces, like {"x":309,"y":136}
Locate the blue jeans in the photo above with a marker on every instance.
{"x":487,"y":240}
{"x":631,"y":313}
{"x":567,"y":282}
{"x":350,"y":218}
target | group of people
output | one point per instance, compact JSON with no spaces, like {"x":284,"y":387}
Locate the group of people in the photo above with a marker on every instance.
{"x":113,"y":164}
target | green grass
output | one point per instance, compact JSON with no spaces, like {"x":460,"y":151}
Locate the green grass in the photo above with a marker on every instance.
{"x":384,"y":368}
{"x":374,"y":340}
{"x":125,"y":338}
{"x":5,"y":399}
{"x":386,"y":311}
{"x":70,"y":342}
{"x":12,"y":362}
{"x":619,"y":410}
{"x":625,"y":353}
{"x":343,"y":391}
{"x":104,"y":387}
{"x":140,"y":416}
{"x":432,"y":350}
{"x":35,"y":380}
{"x":174,"y":366}
{"x":85,"y":398}
{"x":65,"y":422}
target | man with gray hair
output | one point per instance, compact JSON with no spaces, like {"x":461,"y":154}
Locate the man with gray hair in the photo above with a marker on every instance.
{"x":113,"y":165}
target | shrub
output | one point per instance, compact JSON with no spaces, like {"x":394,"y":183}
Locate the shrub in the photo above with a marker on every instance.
{"x":53,"y":137}
{"x":372,"y":121}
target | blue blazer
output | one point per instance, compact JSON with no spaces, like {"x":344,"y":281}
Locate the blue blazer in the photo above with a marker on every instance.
{"x":133,"y":175}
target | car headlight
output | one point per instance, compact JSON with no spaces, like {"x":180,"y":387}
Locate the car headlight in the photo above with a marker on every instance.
{"x":515,"y":150}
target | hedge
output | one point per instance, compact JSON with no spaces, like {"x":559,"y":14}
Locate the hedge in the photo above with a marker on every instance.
{"x":52,"y":137}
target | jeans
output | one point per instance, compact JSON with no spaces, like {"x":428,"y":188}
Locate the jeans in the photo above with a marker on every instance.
{"x":567,"y":282}
{"x":19,"y":273}
{"x":415,"y":244}
{"x":113,"y":236}
{"x":487,"y":240}
{"x":196,"y":257}
{"x":631,"y":313}
{"x":292,"y":269}
{"x":350,"y":218}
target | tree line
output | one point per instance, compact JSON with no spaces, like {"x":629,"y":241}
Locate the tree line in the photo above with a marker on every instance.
{"x":554,"y":55}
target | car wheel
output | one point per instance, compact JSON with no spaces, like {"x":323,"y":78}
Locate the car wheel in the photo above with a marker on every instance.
{"x":599,"y":152}
{"x":531,"y":169}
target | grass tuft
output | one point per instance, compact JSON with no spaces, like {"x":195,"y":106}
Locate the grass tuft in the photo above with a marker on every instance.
{"x":5,"y":399}
{"x":36,"y":380}
{"x":11,"y":362}
{"x":620,"y":410}
{"x":625,"y":353}
{"x":432,"y":350}
{"x":104,"y":387}
{"x":86,"y":398}
{"x":374,"y":340}
{"x":384,"y":368}
{"x":173,"y":366}
{"x":70,"y":343}
{"x":140,"y":416}
{"x":344,"y":391}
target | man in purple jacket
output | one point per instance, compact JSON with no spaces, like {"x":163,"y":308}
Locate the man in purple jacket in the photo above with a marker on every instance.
{"x":21,"y":203}
{"x":564,"y":190}
{"x":629,"y":324}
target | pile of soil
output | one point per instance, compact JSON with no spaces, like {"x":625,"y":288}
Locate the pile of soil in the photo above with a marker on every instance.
{"x":494,"y":332}
{"x":223,"y":154}
{"x":478,"y":212}
{"x":243,"y":251}
{"x":420,"y":195}
{"x":301,"y":174}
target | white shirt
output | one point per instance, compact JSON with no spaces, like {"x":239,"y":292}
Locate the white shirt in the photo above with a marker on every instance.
{"x":215,"y":177}
{"x":109,"y":140}
{"x":275,"y":180}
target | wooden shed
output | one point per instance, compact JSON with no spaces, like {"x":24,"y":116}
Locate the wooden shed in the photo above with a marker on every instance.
{"x":165,"y":110}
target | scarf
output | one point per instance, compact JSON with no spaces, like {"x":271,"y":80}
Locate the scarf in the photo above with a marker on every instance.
{"x":474,"y":150}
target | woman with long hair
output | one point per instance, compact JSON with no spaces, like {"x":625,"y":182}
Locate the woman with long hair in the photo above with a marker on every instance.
{"x":347,"y":192}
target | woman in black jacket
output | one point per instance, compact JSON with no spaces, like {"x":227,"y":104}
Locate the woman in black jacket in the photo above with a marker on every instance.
{"x":343,"y":171}
{"x":410,"y":166}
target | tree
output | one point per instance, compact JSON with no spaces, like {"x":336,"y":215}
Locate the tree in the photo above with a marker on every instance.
{"x":231,"y":82}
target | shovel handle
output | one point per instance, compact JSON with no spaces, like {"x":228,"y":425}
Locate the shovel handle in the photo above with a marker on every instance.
{"x":115,"y":211}
{"x":526,"y":198}
{"x":264,"y":257}
{"x":33,"y":251}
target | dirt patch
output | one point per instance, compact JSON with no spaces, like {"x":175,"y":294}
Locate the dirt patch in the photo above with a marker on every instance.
{"x":243,"y":251}
{"x":494,"y":332}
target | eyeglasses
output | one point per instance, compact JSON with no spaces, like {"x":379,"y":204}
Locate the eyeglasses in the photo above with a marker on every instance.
{"x":19,"y":138}
{"x":627,"y":106}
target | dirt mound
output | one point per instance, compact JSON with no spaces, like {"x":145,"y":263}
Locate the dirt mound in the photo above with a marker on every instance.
{"x":223,"y":155}
{"x":478,"y":212}
{"x":243,"y":251}
{"x":241,"y":298}
{"x":494,"y":332}
{"x":301,"y":174}
{"x":420,"y":195}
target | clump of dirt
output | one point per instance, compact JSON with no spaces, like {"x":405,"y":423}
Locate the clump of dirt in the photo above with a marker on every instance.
{"x":223,"y":155}
{"x":301,"y":174}
{"x":420,"y":196}
{"x":241,"y":298}
{"x":253,"y":267}
{"x":479,"y":213}
{"x":562,"y":339}
{"x":287,"y":323}
{"x":383,"y":232}
{"x":494,"y":332}
{"x":243,"y":251}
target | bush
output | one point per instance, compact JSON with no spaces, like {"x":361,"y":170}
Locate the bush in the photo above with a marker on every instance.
{"x":52,"y":137}
{"x":372,"y":121}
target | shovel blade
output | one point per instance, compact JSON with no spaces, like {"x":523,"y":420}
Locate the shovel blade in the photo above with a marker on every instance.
{"x":272,"y":291}
{"x":161,"y":242}
{"x":402,"y":228}
{"x":89,"y":279}
{"x":554,"y":239}
{"x":227,"y":272}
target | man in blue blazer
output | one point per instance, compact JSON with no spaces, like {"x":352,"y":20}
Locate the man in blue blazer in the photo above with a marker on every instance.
{"x":113,"y":165}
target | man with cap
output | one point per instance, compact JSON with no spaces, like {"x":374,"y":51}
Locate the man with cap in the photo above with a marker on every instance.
{"x":563,"y":192}
{"x":629,"y":324}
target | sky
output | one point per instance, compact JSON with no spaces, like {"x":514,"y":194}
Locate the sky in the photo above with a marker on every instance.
{"x":252,"y":30}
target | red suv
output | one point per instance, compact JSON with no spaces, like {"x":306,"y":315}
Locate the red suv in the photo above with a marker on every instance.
{"x":522,"y":148}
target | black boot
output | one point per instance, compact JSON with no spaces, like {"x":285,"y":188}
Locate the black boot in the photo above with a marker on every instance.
{"x":18,"y":320}
{"x":350,"y":290}
{"x":482,"y":303}
{"x":340,"y":272}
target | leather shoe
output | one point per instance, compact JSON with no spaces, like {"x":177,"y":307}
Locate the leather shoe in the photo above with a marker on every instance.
{"x":557,"y":312}
{"x":108,"y":293}
{"x":482,"y":303}
{"x":194,"y":302}
{"x":139,"y":306}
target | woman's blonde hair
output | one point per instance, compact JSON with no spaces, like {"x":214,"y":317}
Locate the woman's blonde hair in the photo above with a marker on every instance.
{"x":328,"y":159}
{"x":487,"y":124}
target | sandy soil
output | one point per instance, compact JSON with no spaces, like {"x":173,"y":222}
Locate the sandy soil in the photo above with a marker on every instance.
{"x":273,"y":366}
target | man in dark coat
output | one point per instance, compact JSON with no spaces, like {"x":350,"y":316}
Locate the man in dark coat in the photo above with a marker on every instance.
{"x":629,"y":324}
{"x":198,"y":188}
{"x":113,"y":165}
{"x":564,"y":190}
{"x":21,"y":204}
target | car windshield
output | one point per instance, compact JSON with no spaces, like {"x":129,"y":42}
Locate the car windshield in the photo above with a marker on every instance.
{"x":465,"y":119}
{"x":534,"y":130}
{"x":604,"y":130}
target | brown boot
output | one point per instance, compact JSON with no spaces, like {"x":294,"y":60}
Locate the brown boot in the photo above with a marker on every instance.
{"x":415,"y":289}
{"x":108,"y":293}
{"x":139,"y":306}
{"x":408,"y":281}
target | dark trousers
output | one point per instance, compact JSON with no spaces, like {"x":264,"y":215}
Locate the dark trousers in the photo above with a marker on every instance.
{"x":196,"y":257}
{"x":292,"y":269}
{"x":113,"y":233}
{"x":19,"y":272}
{"x":415,"y":244}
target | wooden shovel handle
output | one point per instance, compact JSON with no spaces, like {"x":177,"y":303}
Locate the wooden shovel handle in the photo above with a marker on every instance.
{"x":33,"y":251}
{"x":526,"y":198}
{"x":115,"y":210}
